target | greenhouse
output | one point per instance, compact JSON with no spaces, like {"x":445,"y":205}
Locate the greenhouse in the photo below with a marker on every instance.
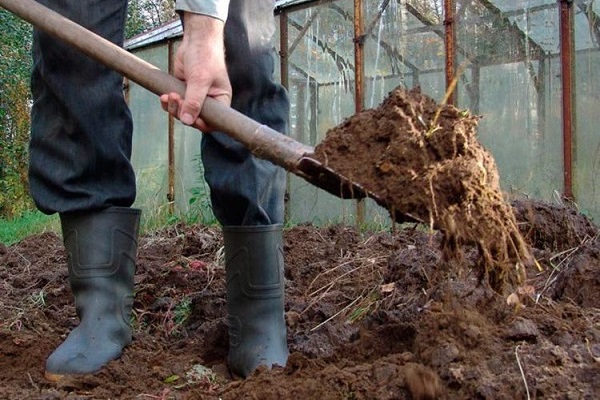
{"x":528,"y":68}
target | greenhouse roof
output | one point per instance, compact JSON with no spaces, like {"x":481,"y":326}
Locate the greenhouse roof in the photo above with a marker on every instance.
{"x":166,"y":31}
{"x":407,"y":36}
{"x":538,"y":19}
{"x":410,"y":33}
{"x":288,"y":3}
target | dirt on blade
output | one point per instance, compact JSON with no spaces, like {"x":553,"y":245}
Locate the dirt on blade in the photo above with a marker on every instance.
{"x":424,"y":160}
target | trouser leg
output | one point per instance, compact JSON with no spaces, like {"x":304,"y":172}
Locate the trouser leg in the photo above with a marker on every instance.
{"x":81,"y":126}
{"x":244,"y":189}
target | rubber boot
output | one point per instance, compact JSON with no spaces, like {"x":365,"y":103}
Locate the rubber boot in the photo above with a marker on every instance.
{"x":255,"y":297}
{"x":101,"y":249}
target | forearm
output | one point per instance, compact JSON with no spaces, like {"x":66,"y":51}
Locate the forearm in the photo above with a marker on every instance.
{"x":213,"y":8}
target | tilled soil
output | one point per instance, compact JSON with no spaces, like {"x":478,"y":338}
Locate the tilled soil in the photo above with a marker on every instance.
{"x":370,"y":316}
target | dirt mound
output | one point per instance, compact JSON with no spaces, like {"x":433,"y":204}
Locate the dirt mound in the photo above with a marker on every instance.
{"x":370,"y":315}
{"x":424,"y":160}
{"x":552,"y":226}
{"x":569,"y":242}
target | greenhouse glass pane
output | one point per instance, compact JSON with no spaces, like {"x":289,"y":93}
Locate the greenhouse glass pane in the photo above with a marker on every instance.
{"x":586,"y":169}
{"x":150,"y":140}
{"x":513,"y":82}
{"x":512,"y":5}
{"x":505,"y":36}
{"x":540,"y":27}
{"x":429,"y":12}
{"x":321,"y":68}
{"x":321,"y":41}
{"x":587,"y":25}
{"x":404,"y":44}
{"x":321,"y":91}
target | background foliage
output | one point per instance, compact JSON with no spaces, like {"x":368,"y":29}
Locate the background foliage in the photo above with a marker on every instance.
{"x":15,"y":96}
{"x":143,"y":15}
{"x":15,"y":101}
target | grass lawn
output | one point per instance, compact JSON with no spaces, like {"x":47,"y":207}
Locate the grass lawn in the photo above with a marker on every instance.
{"x":30,"y":223}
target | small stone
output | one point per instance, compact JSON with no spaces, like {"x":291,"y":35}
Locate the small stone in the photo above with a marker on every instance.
{"x":523,"y":329}
{"x":445,"y":355}
{"x":456,"y":375}
{"x":563,"y":339}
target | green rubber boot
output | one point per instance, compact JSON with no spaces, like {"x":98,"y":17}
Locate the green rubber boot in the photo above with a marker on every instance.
{"x":255,"y":297}
{"x":101,"y":249}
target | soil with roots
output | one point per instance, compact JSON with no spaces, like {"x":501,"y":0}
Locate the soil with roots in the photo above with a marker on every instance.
{"x":423,"y":160}
{"x":370,"y":315}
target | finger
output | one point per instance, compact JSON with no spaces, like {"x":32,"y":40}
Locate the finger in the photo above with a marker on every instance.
{"x":204,"y":126}
{"x":195,"y":94}
{"x":201,"y":125}
{"x":223,"y":96}
{"x":164,"y":102}
{"x":170,"y":103}
{"x":173,"y":107}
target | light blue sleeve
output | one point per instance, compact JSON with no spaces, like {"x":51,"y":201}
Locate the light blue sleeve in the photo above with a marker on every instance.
{"x":213,"y":8}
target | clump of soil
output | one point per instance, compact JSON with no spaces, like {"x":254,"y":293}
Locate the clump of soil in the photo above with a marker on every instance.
{"x":370,"y":315}
{"x":423,"y":160}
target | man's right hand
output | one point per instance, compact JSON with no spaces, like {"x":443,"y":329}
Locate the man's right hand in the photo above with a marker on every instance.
{"x":200,"y":63}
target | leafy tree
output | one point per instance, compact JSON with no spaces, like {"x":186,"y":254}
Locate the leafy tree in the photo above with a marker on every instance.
{"x":15,"y":97}
{"x":144,"y":15}
{"x":15,"y":101}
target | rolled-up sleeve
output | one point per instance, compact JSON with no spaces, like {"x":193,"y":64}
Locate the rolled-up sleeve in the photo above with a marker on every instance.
{"x":214,"y":8}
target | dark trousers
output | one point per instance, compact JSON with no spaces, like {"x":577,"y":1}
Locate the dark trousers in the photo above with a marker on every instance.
{"x":80,"y":144}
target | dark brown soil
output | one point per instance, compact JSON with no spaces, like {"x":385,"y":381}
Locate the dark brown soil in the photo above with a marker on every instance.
{"x":423,"y":160}
{"x":370,"y":316}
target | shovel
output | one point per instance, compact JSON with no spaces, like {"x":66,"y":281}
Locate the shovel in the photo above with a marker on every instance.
{"x":262,"y":141}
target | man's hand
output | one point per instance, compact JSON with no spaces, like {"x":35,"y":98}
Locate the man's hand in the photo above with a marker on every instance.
{"x":200,"y":63}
